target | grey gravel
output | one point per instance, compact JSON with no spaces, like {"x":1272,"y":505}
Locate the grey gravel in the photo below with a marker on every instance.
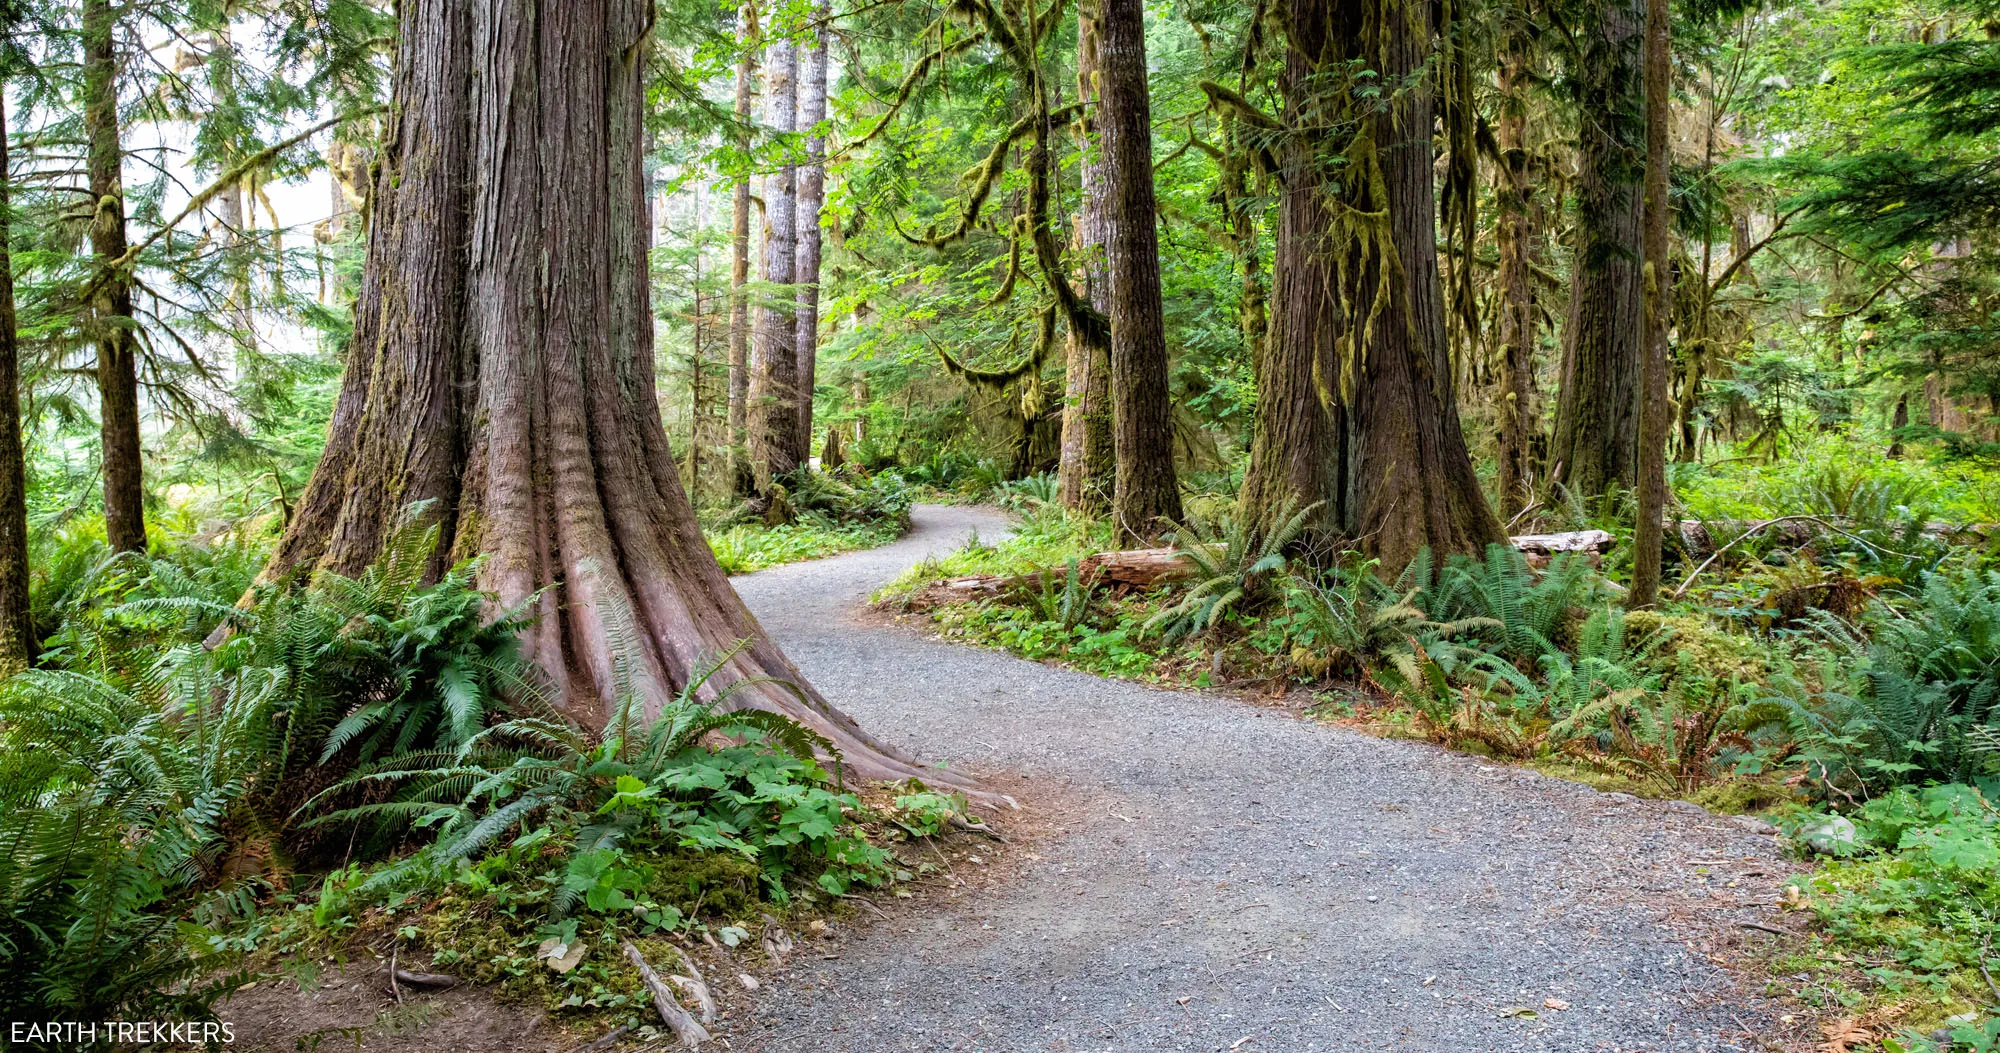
{"x":1232,"y":878}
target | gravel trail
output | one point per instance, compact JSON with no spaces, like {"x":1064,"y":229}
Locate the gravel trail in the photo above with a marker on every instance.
{"x":1230,"y":878}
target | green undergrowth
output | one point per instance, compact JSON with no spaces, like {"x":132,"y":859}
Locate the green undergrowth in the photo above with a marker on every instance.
{"x":810,"y":516}
{"x":749,"y":547}
{"x":1842,"y":472}
{"x":195,"y":793}
{"x":1907,"y":910}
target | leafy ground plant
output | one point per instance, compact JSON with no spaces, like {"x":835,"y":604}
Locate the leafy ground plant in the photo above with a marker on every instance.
{"x":1918,"y":899}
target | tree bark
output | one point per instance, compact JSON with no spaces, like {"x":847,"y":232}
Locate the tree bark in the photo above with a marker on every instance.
{"x":503,"y":369}
{"x":1253,"y":314}
{"x":17,"y":633}
{"x":812,"y":195}
{"x":742,"y":480}
{"x":1516,"y":215}
{"x":1413,"y":485}
{"x":1596,"y":445}
{"x":1355,"y":406}
{"x":775,"y":442}
{"x":114,"y":329}
{"x":1146,"y":497}
{"x":1297,"y":448}
{"x":1652,"y":466}
{"x":1087,"y":466}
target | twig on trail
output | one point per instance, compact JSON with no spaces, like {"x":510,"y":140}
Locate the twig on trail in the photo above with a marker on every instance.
{"x":606,"y":1042}
{"x":684,"y":1026}
{"x":959,"y":822}
{"x":1761,"y":927}
{"x":777,"y":942}
{"x":426,"y":979}
{"x":870,"y":904}
{"x":696,"y":985}
{"x":1986,"y":950}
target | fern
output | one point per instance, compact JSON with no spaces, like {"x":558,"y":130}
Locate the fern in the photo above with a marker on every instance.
{"x":1233,"y":562}
{"x":1529,"y":614}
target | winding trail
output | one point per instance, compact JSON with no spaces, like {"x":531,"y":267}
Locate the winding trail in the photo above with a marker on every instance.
{"x":1232,"y":873}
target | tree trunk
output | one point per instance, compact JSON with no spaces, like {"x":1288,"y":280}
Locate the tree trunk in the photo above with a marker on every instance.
{"x":503,"y":369}
{"x":1087,"y":467}
{"x":1596,"y":443}
{"x":775,"y":443}
{"x":1253,"y":315}
{"x":1413,"y":485}
{"x":17,"y":633}
{"x":1146,"y":497}
{"x":1297,"y":452}
{"x":740,"y":476}
{"x":1355,"y":406}
{"x":114,"y":330}
{"x":229,"y":204}
{"x":1652,"y":466}
{"x":1516,"y":212}
{"x":812,"y":194}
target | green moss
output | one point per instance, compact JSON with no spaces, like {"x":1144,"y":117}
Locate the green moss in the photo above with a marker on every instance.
{"x":719,"y":884}
{"x":1742,"y":796}
{"x":1694,"y":641}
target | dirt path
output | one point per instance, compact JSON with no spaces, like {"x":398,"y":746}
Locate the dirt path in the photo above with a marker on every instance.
{"x":1233,"y":879}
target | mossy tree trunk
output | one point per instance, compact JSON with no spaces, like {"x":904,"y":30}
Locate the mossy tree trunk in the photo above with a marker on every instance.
{"x":111,"y":321}
{"x":1146,"y":497}
{"x":17,"y":633}
{"x":812,"y":196}
{"x":776,"y":446}
{"x":741,"y":480}
{"x":1087,"y":467}
{"x":1517,"y":219}
{"x":503,"y":367}
{"x":1596,"y":442}
{"x":1653,"y":417}
{"x":1355,"y":408}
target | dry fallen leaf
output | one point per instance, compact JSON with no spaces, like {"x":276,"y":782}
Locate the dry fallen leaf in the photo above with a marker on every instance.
{"x":1554,"y":1003}
{"x":1844,"y":1035}
{"x":1856,"y":1032}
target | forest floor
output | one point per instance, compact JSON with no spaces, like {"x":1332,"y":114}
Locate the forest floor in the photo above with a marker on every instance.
{"x":1204,"y":873}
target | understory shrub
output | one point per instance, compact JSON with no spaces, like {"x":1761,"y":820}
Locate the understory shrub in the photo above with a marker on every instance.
{"x":1919,"y":895}
{"x":1911,"y":695}
{"x":159,"y":797}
